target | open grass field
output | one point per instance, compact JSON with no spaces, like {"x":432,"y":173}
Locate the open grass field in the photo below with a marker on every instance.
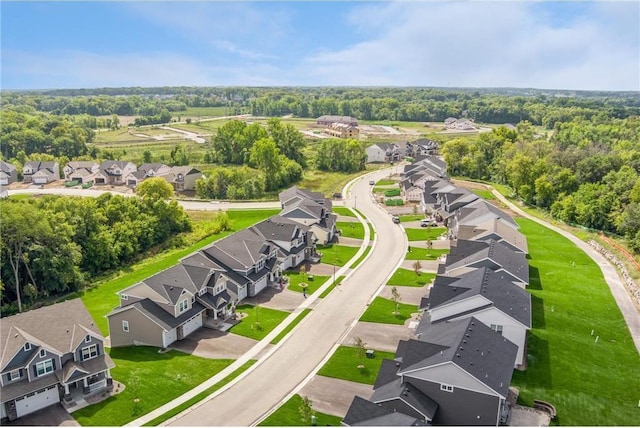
{"x":101,"y":299}
{"x":589,"y":382}
{"x":204,"y":394}
{"x":258,"y":322}
{"x":118,"y":136}
{"x":295,"y":278}
{"x":408,"y":278}
{"x":326,"y":182}
{"x":417,"y":253}
{"x":160,"y":150}
{"x":351,"y":229}
{"x":382,"y":310}
{"x":153,"y":378}
{"x":204,"y":112}
{"x":425,"y":233}
{"x":484,"y":194}
{"x":343,"y":364}
{"x":337,"y":255}
{"x":288,"y":415}
{"x":291,"y":326}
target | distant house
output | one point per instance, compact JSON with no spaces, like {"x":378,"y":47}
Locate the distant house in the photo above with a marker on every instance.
{"x":146,"y":170}
{"x":383,"y":152}
{"x":488,"y":296}
{"x":328,"y":120}
{"x":38,"y":172}
{"x":51,"y":354}
{"x":450,"y":200}
{"x":8,"y":173}
{"x":310,"y":209}
{"x":81,"y":171}
{"x":425,"y":147}
{"x":114,"y":172}
{"x":182,"y":178}
{"x":342,"y":130}
{"x":428,"y":199}
{"x":413,"y":186}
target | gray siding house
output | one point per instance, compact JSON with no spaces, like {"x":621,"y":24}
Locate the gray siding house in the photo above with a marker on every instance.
{"x":8,"y":173}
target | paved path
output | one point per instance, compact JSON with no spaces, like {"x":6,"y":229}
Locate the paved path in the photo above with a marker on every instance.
{"x":265,"y":386}
{"x":629,"y":312}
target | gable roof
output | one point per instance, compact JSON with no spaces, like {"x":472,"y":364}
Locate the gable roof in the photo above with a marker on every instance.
{"x":496,"y":229}
{"x":59,"y":327}
{"x":469,"y":344}
{"x":480,"y":211}
{"x":404,"y":391}
{"x":158,"y":315}
{"x":279,"y":229}
{"x":239,"y":251}
{"x":365,"y":413}
{"x":6,"y":167}
{"x":298,"y":193}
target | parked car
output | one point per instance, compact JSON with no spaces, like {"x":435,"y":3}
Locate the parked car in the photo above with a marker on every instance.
{"x":372,"y":182}
{"x":396,"y":219}
{"x":427,"y":222}
{"x":337,"y":195}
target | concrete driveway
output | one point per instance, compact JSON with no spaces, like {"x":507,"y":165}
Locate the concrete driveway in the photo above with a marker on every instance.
{"x":408,"y":295}
{"x":334,"y":396}
{"x":382,"y":337}
{"x":209,"y":343}
{"x":55,"y":416}
{"x":282,"y":300}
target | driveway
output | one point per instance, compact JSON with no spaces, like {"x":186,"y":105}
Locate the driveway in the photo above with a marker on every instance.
{"x":408,"y":295}
{"x":427,"y":265}
{"x":55,"y":416}
{"x":282,"y":300}
{"x":209,"y":343}
{"x":334,"y":396}
{"x":382,"y":337}
{"x":349,"y":242}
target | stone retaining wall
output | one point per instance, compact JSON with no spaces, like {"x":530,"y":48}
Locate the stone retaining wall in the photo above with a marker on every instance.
{"x":629,"y":283}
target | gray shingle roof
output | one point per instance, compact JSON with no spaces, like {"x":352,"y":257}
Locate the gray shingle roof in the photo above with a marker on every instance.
{"x":158,"y":315}
{"x":409,"y":394}
{"x":365,"y":413}
{"x":480,"y":211}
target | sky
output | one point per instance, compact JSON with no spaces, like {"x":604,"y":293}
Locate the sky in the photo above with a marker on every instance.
{"x":574,"y":45}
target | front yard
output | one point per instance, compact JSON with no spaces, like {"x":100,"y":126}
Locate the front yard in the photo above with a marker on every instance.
{"x":337,"y":255}
{"x":408,"y":278}
{"x":289,"y":415}
{"x":344,"y":363}
{"x":257,"y":321}
{"x":295,"y":278}
{"x":425,"y":233}
{"x":382,"y":311}
{"x":416,"y":253}
{"x":351,"y":229}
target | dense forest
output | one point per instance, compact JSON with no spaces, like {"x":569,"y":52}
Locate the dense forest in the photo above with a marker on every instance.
{"x":54,"y":245}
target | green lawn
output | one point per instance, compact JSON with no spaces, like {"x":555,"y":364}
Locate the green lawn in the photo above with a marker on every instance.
{"x":380,"y":189}
{"x":418,"y":253}
{"x":343,"y":364}
{"x":484,"y":194}
{"x":361,"y":258}
{"x":290,"y":327}
{"x":386,"y":182}
{"x":153,"y":378}
{"x":204,"y":394}
{"x":295,"y":278}
{"x":381,"y":311}
{"x":326,"y":182}
{"x":350,"y":229}
{"x":347,"y":212}
{"x":259,"y":321}
{"x":408,"y":278}
{"x":289,"y":415}
{"x":102,"y":299}
{"x":337,"y":255}
{"x":333,"y":285}
{"x":425,"y":233}
{"x":589,"y":383}
{"x":410,"y":217}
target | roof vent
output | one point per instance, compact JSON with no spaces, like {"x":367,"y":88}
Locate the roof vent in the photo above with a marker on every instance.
{"x":441,"y":352}
{"x":458,"y":355}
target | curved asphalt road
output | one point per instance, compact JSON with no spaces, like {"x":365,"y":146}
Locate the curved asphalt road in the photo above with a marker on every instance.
{"x":294,"y":360}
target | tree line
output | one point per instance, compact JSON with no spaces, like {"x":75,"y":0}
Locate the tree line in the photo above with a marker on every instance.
{"x":54,"y":245}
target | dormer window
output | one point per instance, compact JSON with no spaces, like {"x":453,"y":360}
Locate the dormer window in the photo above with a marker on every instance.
{"x":27,"y":347}
{"x":43,"y":353}
{"x":183,"y":305}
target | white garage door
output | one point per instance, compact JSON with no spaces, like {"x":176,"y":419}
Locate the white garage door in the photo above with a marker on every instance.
{"x":40,"y":180}
{"x":192,"y":325}
{"x":168,"y":337}
{"x":38,"y":401}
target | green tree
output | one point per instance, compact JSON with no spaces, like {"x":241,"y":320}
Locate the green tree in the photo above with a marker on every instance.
{"x":266,"y":157}
{"x":361,"y":350}
{"x":306,"y":410}
{"x":395,"y":298}
{"x":155,"y":188}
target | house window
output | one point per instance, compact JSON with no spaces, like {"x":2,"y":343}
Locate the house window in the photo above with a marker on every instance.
{"x":125,"y":325}
{"x":445,"y":387}
{"x":497,"y":328}
{"x":89,"y":352}
{"x":14,"y":374}
{"x":44,"y":367}
{"x":43,"y":353}
{"x":182,"y":306}
{"x":27,"y":346}
{"x":203,"y":290}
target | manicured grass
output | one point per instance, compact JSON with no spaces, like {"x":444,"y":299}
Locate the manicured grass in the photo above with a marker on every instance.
{"x":381,"y":311}
{"x":361,"y":258}
{"x":290,"y":327}
{"x":410,"y":217}
{"x":289,"y":415}
{"x":372,"y":232}
{"x":590,"y":383}
{"x":385,"y":182}
{"x":337,"y":255}
{"x":408,"y":278}
{"x":394,"y":202}
{"x":159,"y":377}
{"x":329,"y":289}
{"x":295,"y":278}
{"x":326,"y":182}
{"x":259,"y":321}
{"x":343,"y":364}
{"x":204,"y":394}
{"x":417,"y":253}
{"x":347,"y":212}
{"x":350,"y":229}
{"x":425,"y":233}
{"x":380,"y":189}
{"x":484,"y":194}
{"x":102,"y":299}
{"x":392,"y":192}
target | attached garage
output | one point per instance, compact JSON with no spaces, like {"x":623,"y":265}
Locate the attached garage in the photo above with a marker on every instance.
{"x":36,"y":401}
{"x":192,"y":325}
{"x":168,"y":337}
{"x":40,"y":179}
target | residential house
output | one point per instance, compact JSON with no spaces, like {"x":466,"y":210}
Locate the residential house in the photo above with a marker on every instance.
{"x":488,"y":296}
{"x":50,"y":354}
{"x":8,"y":173}
{"x":295,"y":194}
{"x":319,"y":219}
{"x":383,"y":152}
{"x":363,"y":412}
{"x":81,"y":171}
{"x":38,"y":172}
{"x":477,"y":212}
{"x":182,"y":178}
{"x":425,"y":147}
{"x":114,"y":172}
{"x":450,"y":200}
{"x":295,"y":242}
{"x":342,"y":130}
{"x":496,"y":229}
{"x":459,"y":124}
{"x":145,"y":171}
{"x":413,"y":185}
{"x":428,"y":200}
{"x":467,"y":255}
{"x":328,"y":120}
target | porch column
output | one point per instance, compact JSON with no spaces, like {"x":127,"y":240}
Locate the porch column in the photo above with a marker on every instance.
{"x":84,"y":381}
{"x":66,"y":389}
{"x":109,"y":373}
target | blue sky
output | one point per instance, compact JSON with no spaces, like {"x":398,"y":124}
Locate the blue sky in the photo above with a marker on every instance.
{"x":555,"y":45}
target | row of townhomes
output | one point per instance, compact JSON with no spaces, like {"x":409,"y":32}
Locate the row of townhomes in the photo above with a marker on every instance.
{"x":474,"y":321}
{"x":339,"y":126}
{"x":204,"y":289}
{"x":50,"y":355}
{"x":116,"y":173}
{"x":392,"y":152}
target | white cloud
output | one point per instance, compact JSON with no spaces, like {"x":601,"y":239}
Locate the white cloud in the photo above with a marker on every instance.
{"x":485,"y":44}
